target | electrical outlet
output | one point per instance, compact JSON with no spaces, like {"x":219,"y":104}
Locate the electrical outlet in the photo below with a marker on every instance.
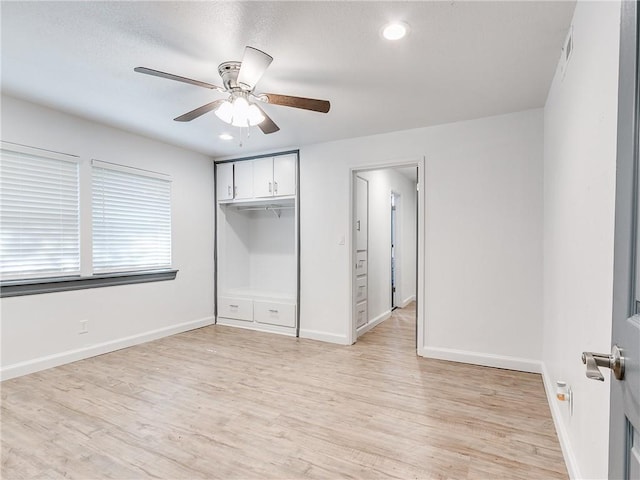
{"x":84,"y":327}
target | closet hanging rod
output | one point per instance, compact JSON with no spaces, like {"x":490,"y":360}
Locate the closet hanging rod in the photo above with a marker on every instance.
{"x":269,"y":207}
{"x":275,"y":209}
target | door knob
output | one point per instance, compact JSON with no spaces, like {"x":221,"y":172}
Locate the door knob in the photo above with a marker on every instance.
{"x":615,"y":362}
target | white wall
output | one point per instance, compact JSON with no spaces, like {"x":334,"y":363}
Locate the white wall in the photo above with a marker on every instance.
{"x":483,"y":235}
{"x":407,"y":233}
{"x":39,"y":331}
{"x":273,"y":252}
{"x":579,"y":199}
{"x":381,"y":183}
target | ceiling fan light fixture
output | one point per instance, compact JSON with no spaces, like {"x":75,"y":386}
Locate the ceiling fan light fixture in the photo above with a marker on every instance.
{"x":225,"y":111}
{"x":255,"y":115}
{"x":395,"y":30}
{"x":240,"y":112}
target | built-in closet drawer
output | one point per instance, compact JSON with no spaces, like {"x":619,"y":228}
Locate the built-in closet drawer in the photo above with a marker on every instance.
{"x":361,"y":314}
{"x":361,"y":263}
{"x":237,"y":308}
{"x":361,"y":288}
{"x":272,"y":313}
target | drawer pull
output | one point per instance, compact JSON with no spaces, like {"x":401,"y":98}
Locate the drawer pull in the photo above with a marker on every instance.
{"x":273,"y":310}
{"x":233,"y":306}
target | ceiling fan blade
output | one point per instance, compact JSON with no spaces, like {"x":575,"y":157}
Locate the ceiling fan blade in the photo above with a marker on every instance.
{"x":322,"y":106}
{"x":267,"y":125}
{"x":254,"y":63}
{"x":187,"y":117}
{"x":170,"y":76}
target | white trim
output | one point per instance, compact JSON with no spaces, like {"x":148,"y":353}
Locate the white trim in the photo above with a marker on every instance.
{"x":38,"y":152}
{"x":324,"y":337}
{"x":563,"y":436}
{"x":372,"y":323}
{"x":132,"y":170}
{"x":407,"y":301}
{"x":256,"y":327}
{"x":484,"y":359}
{"x":50,"y":361}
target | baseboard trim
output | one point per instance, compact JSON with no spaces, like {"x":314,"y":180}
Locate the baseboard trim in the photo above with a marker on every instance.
{"x":376,"y":321}
{"x":55,"y":360}
{"x":323,"y":336}
{"x":484,"y":359}
{"x":256,"y":327}
{"x":407,"y":301}
{"x":563,"y":436}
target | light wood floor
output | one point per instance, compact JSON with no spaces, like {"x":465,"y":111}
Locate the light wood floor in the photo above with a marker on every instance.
{"x":219,"y":402}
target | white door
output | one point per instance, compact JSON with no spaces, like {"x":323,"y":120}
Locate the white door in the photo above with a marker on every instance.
{"x":263,"y":177}
{"x":362,"y":210}
{"x":284,"y":175}
{"x":243,"y":180}
{"x":360,"y":280}
{"x":624,"y":416}
{"x":224,"y":181}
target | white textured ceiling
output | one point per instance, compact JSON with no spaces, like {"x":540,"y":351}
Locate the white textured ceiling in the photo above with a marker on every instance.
{"x":461,"y":60}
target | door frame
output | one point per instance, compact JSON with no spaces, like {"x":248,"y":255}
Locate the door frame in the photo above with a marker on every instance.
{"x":421,"y":294}
{"x":626,"y":218}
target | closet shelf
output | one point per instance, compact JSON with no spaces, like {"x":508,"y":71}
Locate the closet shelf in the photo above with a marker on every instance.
{"x":280,"y":202}
{"x":270,"y":205}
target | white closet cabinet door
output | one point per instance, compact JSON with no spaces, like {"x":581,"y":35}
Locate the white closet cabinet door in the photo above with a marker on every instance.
{"x":361,"y":289}
{"x":224,"y":181}
{"x":361,"y":314}
{"x":361,"y":263}
{"x":284,"y":175}
{"x":263,"y":177}
{"x":362,"y":210}
{"x":243,"y":179}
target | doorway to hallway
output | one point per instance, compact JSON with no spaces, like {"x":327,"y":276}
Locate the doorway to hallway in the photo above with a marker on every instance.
{"x":385,"y":245}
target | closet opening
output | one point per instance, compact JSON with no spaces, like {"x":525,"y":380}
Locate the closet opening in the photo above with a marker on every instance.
{"x":385,"y":238}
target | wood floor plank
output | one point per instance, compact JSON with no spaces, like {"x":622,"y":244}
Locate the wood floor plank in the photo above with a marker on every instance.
{"x":226,"y":403}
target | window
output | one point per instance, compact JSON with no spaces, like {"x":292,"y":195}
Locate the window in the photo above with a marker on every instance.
{"x":39,"y":213}
{"x":131,"y":214}
{"x":124,"y":236}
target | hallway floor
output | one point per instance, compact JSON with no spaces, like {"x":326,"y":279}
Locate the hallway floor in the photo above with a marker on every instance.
{"x":220,"y":402}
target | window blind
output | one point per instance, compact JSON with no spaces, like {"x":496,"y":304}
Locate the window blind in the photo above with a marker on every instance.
{"x":131,"y":214}
{"x":39,"y":214}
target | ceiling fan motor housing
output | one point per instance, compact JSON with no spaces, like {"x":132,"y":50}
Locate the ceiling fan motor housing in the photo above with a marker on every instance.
{"x":229,"y":73}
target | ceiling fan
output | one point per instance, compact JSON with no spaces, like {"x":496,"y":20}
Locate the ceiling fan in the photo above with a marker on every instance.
{"x":242,"y":108}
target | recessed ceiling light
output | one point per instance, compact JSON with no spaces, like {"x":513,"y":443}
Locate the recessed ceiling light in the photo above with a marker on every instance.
{"x":225,"y":136}
{"x":395,"y":30}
